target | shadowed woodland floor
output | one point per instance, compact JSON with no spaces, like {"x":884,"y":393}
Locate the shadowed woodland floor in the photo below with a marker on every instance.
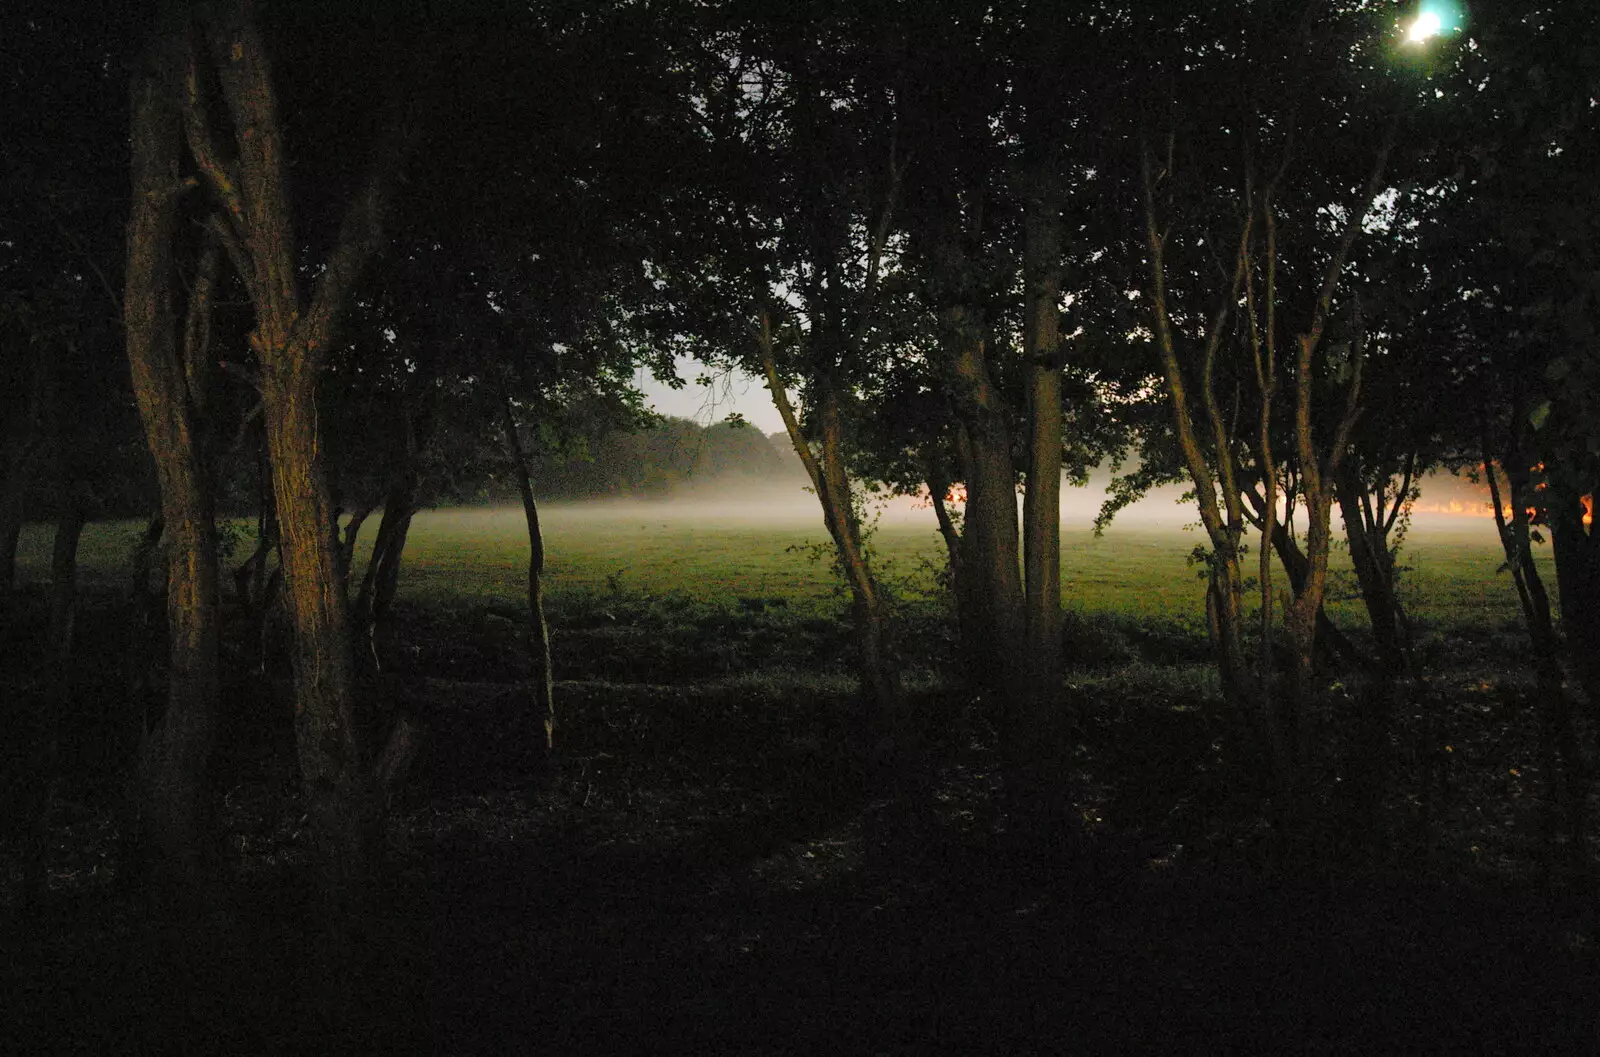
{"x":708,"y":874}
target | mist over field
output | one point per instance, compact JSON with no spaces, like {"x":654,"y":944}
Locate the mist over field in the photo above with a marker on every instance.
{"x":745,"y":497}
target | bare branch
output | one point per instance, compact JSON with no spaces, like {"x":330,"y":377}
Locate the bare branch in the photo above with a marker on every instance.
{"x":1352,"y":229}
{"x":218,"y":173}
{"x":228,"y":238}
{"x":359,"y":237}
{"x":1177,"y":387}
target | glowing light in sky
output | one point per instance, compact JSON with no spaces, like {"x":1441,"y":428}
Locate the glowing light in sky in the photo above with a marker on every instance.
{"x":1435,"y":18}
{"x":1427,"y":25}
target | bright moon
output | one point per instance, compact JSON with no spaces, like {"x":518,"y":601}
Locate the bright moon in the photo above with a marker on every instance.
{"x":1427,"y":25}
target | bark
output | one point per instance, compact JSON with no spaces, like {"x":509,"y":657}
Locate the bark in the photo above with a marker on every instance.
{"x":1577,"y":559}
{"x":382,"y":579}
{"x":1334,"y":647}
{"x":13,"y":503}
{"x":872,"y":610}
{"x":959,"y":583}
{"x":544,"y":699}
{"x":1367,"y":530}
{"x":938,"y":493}
{"x":182,"y":748}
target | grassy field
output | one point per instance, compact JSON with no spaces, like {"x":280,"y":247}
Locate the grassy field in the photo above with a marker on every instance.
{"x":473,"y":558}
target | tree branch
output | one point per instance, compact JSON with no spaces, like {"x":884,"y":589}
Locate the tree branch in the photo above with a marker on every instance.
{"x":359,"y":237}
{"x":218,"y":174}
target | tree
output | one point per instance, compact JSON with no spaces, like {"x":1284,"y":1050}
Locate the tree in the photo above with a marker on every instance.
{"x":181,"y":749}
{"x":249,"y":219}
{"x":1513,"y":234}
{"x":1267,"y":188}
{"x":801,"y":127}
{"x":1005,"y":176}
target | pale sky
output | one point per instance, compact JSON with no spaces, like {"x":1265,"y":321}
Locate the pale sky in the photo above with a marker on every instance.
{"x":738,"y":392}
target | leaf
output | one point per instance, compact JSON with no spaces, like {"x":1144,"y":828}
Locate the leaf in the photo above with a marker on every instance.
{"x":1539,"y":414}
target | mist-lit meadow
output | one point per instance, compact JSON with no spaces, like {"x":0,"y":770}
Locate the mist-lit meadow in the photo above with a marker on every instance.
{"x":773,"y":546}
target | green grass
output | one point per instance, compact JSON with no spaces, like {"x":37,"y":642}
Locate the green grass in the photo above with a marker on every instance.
{"x":477,"y":558}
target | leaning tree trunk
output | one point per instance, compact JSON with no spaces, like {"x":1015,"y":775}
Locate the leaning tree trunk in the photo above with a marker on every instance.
{"x":544,"y":698}
{"x":872,"y":616}
{"x":1557,"y":744}
{"x":381,"y":583}
{"x":960,"y":586}
{"x":181,"y":750}
{"x":879,"y":679}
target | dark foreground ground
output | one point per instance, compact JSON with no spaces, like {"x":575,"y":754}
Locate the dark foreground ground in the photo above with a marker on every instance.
{"x":709,"y":875}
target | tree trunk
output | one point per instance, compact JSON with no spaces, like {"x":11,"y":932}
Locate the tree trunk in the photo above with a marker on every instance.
{"x":183,"y":745}
{"x":1039,"y":775}
{"x":1565,"y":771}
{"x":989,"y":533}
{"x":1333,"y":645}
{"x":879,"y":679}
{"x":334,"y":763}
{"x":1216,"y":484}
{"x":1577,"y":556}
{"x":345,"y":789}
{"x":959,"y":584}
{"x":938,"y":493}
{"x":13,"y":506}
{"x":544,"y":699}
{"x":64,"y":579}
{"x":347,"y":546}
{"x":382,"y":580}
{"x":1366,"y":532}
{"x":23,"y":439}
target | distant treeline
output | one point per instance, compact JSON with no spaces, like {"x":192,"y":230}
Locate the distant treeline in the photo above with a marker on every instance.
{"x":675,"y":456}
